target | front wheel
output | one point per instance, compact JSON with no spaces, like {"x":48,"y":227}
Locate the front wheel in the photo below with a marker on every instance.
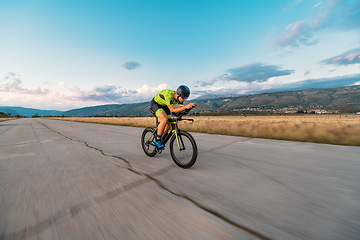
{"x":147,"y":141}
{"x":183,"y":149}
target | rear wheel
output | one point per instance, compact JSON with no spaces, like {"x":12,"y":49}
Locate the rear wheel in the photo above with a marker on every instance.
{"x":148,"y":141}
{"x":184,"y":150}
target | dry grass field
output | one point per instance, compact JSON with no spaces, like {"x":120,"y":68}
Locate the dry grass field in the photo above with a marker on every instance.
{"x":5,"y":119}
{"x":332,"y":129}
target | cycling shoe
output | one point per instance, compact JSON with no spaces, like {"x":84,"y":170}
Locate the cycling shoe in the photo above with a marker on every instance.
{"x":159,"y":144}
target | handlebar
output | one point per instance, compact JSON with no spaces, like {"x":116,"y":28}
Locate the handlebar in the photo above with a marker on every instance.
{"x":179,"y":115}
{"x":182,"y":113}
{"x":187,"y":119}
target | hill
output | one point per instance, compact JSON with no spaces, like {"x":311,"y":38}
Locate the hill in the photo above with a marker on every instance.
{"x":341,"y":99}
{"x":336,"y":100}
{"x":29,"y":112}
{"x":327,"y":100}
{"x":136,"y":109}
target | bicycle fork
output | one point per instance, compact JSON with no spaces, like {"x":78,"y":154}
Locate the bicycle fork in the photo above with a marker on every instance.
{"x":179,"y":140}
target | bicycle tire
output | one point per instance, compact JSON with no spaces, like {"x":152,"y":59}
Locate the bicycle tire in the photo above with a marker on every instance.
{"x":148,"y":146}
{"x":184,"y":158}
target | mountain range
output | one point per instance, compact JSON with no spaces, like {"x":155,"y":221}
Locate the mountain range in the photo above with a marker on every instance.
{"x":336,"y":100}
{"x":29,"y":112}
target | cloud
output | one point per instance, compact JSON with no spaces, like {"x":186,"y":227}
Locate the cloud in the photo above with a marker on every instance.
{"x":67,"y":96}
{"x":339,"y":81}
{"x":208,"y":82}
{"x":335,"y":14}
{"x":317,"y":4}
{"x":266,"y":87}
{"x":107,"y":94}
{"x":106,"y":89}
{"x":256,"y":72}
{"x":69,"y":87}
{"x":149,"y":91}
{"x":117,"y":94}
{"x":102,"y":94}
{"x":12,"y":93}
{"x":10,"y":75}
{"x":346,"y":58}
{"x":251,"y":73}
{"x":11,"y":89}
{"x":131,"y":65}
{"x":11,"y":82}
{"x":342,"y":15}
{"x":292,"y":4}
{"x":286,"y":53}
{"x":298,"y":33}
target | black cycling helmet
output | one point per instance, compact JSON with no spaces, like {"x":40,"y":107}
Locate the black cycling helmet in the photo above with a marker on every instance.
{"x":183,"y":91}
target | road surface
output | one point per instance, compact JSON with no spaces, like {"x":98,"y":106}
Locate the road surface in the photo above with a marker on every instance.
{"x":70,"y":180}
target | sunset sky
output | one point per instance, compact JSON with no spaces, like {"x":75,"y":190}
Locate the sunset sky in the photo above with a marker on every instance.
{"x":65,"y":54}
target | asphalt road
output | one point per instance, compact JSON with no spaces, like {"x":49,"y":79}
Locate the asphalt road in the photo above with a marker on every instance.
{"x":69,"y":180}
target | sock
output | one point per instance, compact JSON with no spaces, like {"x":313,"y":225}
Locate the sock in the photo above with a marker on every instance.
{"x":158,"y":137}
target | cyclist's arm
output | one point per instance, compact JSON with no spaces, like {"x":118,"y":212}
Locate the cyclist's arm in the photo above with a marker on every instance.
{"x":176,"y":110}
{"x":181,"y":108}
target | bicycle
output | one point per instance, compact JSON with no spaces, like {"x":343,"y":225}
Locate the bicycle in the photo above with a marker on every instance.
{"x":183,"y":148}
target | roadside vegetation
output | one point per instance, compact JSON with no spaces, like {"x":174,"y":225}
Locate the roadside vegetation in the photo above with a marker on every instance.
{"x":5,"y":119}
{"x":331,"y":129}
{"x":9,"y":116}
{"x":5,"y":116}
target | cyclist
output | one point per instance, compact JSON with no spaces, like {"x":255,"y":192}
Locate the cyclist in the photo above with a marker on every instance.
{"x":163,"y":104}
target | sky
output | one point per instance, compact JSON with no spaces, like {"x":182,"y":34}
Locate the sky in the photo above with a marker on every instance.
{"x":66,"y":54}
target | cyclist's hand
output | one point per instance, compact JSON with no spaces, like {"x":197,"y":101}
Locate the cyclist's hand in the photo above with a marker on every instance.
{"x":190,"y":105}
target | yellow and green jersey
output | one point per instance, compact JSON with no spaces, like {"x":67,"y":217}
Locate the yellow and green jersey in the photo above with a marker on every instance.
{"x":162,"y":100}
{"x":165,"y":98}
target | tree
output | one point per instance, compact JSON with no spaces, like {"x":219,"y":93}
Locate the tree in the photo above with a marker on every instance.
{"x":5,"y":115}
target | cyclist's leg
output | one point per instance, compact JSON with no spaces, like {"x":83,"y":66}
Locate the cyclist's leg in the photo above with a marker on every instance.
{"x":163,"y":119}
{"x":168,"y":113}
{"x":167,"y":128}
{"x":162,"y":113}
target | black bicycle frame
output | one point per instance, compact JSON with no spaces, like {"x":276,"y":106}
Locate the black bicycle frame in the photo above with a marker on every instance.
{"x":174,"y":130}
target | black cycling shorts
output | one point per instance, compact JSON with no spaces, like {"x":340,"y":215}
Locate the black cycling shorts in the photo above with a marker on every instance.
{"x":157,"y":108}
